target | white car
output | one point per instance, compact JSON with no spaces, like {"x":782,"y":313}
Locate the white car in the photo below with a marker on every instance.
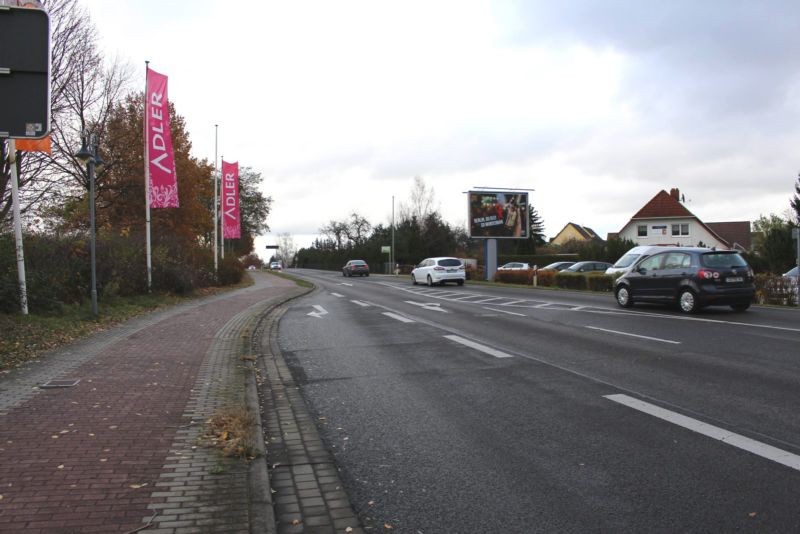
{"x":439,"y":271}
{"x":514,"y":266}
{"x":632,"y":256}
{"x":276,"y":266}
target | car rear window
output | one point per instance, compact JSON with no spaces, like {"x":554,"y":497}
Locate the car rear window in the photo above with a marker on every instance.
{"x":450,"y":262}
{"x":358,"y":262}
{"x":722,"y":260}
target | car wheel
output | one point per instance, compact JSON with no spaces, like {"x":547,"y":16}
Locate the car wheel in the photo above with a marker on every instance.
{"x":413,"y":280}
{"x":461,"y":282}
{"x":687,"y":301}
{"x":740,"y":307}
{"x":624,"y":297}
{"x":430,"y":281}
{"x":366,"y":274}
{"x":344,"y":273}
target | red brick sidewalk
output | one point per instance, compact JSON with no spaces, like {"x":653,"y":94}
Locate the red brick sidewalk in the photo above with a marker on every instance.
{"x":87,"y":458}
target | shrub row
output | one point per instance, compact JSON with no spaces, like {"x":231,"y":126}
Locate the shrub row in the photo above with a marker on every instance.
{"x":590,"y":281}
{"x":58,"y":270}
{"x":774,"y":289}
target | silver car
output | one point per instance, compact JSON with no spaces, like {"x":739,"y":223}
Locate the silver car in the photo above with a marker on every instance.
{"x":439,"y":271}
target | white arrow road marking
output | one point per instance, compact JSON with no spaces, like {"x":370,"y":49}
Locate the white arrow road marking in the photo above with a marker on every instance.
{"x":320,"y":311}
{"x":337,"y":295}
{"x":432,"y":306}
{"x":362,"y":304}
{"x":478,"y":346}
{"x":398,"y":317}
{"x":633,"y":335}
{"x":345,"y":284}
{"x":736,"y":440}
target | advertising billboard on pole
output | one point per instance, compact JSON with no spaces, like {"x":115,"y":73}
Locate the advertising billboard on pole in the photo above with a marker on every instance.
{"x":498,"y":215}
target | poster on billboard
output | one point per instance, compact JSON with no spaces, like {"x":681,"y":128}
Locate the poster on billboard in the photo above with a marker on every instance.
{"x":498,"y":214}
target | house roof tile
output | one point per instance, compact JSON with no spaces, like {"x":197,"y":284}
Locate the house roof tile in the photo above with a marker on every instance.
{"x":663,"y":205}
{"x":734,"y":232}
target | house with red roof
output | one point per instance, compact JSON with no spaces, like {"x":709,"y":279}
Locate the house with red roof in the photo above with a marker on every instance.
{"x":665,"y":220}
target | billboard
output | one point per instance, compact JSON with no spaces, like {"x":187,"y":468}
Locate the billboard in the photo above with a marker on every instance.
{"x":498,"y":214}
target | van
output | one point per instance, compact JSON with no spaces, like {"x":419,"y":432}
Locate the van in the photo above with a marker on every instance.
{"x":631,"y":257}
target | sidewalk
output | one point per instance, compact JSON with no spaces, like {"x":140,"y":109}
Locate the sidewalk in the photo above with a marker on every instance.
{"x":117,"y":451}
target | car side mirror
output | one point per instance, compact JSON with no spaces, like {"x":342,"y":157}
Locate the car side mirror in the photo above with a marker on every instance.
{"x":641,"y":270}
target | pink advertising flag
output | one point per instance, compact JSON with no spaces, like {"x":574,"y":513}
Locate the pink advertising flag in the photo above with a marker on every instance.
{"x":163,"y":182}
{"x":230,"y":201}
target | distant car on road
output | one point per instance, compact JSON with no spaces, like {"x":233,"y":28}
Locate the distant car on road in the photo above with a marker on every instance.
{"x":557,"y":266}
{"x":276,"y":266}
{"x":587,"y":267}
{"x":689,"y":277}
{"x":439,"y":271}
{"x":514,"y":266}
{"x":358,"y":267}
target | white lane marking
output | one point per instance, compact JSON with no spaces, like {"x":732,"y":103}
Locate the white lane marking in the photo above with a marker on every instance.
{"x":337,"y":295}
{"x":544,"y":305}
{"x":633,"y":335}
{"x":511,"y":303}
{"x":345,"y":284}
{"x":578,"y":308}
{"x":504,"y":311}
{"x":487,"y":300}
{"x":736,"y":440}
{"x":362,"y":304}
{"x":478,"y":346}
{"x":398,"y":317}
{"x":320,"y":311}
{"x":432,"y":306}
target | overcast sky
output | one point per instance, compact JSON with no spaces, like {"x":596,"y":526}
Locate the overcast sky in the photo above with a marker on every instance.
{"x":595,"y":105}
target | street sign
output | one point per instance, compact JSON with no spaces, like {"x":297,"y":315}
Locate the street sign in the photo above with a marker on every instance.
{"x":272,"y":246}
{"x":24,"y":73}
{"x":386,"y":249}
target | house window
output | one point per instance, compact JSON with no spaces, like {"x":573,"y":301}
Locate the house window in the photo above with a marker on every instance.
{"x":680,"y":229}
{"x":641,"y":230}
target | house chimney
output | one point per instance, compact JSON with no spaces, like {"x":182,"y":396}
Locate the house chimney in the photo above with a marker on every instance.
{"x":675,"y":193}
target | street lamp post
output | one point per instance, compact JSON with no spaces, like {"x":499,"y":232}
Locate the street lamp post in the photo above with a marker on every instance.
{"x":89,"y":156}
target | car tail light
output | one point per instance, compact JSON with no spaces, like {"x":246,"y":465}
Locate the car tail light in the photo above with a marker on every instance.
{"x":366,"y":266}
{"x":437,"y":268}
{"x":707,"y":274}
{"x":461,"y":268}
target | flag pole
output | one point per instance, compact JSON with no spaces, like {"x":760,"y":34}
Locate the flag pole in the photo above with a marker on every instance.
{"x":222,"y":226}
{"x":216,"y":203}
{"x":147,"y":184}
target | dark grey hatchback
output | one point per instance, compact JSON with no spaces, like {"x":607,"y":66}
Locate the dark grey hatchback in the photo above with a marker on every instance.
{"x":689,"y":277}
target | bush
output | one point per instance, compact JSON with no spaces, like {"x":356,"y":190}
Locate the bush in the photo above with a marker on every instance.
{"x":523,"y":277}
{"x":231,"y":271}
{"x":773,"y":289}
{"x":546,"y":278}
{"x":571,"y":280}
{"x":599,"y":282}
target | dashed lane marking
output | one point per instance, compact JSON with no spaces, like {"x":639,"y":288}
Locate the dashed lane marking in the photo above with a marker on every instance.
{"x":730,"y":438}
{"x":633,"y":335}
{"x":478,"y":346}
{"x":398,"y":317}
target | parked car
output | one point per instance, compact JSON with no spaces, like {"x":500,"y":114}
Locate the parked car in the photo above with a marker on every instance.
{"x":514,"y":266}
{"x":276,"y":266}
{"x":358,"y":267}
{"x":631,"y":257}
{"x":439,"y":271}
{"x":587,"y":267}
{"x":791,"y":277}
{"x":557,"y":266}
{"x":689,"y":277}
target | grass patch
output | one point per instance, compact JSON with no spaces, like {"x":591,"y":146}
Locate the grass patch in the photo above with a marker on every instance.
{"x":299,"y":281}
{"x":232,"y":431}
{"x":25,"y":337}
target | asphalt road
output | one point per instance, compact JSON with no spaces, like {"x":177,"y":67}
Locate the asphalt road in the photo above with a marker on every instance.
{"x":487,"y":409}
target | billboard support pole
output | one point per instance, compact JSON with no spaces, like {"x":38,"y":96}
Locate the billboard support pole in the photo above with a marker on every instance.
{"x":491,"y":258}
{"x":23,"y":291}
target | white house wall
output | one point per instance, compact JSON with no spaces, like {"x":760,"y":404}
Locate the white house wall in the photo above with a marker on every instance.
{"x":659,"y":232}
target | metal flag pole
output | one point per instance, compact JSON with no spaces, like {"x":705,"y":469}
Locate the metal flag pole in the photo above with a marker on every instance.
{"x":23,"y":292}
{"x":216,"y":203}
{"x":147,"y":184}
{"x":221,"y":225}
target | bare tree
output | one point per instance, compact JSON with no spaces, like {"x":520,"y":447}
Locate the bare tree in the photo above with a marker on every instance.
{"x":336,"y":231}
{"x":286,"y":249}
{"x":358,"y":228}
{"x":420,"y":205}
{"x":83,"y":91}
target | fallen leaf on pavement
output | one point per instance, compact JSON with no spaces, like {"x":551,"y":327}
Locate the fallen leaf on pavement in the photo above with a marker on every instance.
{"x":296,"y":522}
{"x":349,"y":529}
{"x":752,"y":514}
{"x":137,"y":486}
{"x":387,"y":526}
{"x":61,"y":466}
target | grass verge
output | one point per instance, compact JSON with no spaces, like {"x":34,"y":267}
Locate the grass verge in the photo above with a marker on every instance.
{"x":232,"y":431}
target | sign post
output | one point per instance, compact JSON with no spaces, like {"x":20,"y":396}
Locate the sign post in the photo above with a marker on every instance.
{"x":796,"y":237}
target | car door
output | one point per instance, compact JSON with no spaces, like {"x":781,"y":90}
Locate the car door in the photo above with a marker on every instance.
{"x":675,"y":268}
{"x":644,"y":278}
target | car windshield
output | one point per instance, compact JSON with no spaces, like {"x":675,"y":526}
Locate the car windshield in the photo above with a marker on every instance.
{"x":723,"y":259}
{"x":627,"y":260}
{"x":450,"y":262}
